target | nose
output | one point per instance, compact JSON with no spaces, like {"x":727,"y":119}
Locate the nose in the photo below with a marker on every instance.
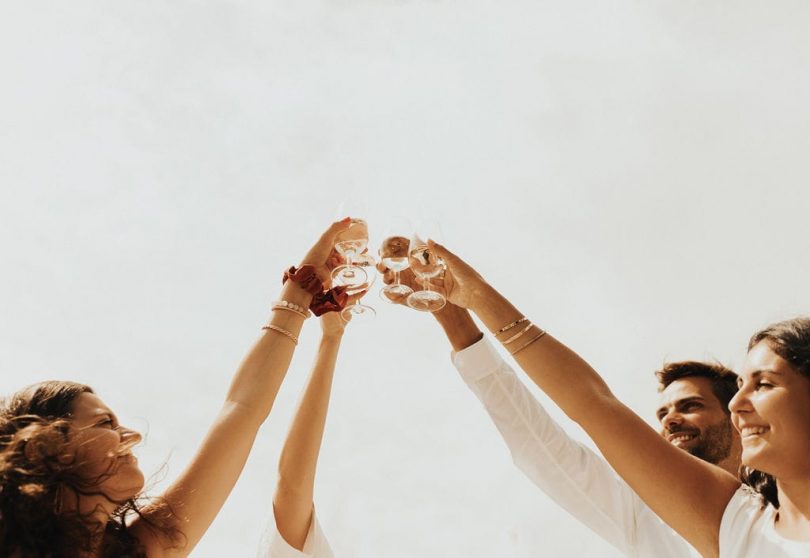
{"x":129,"y":437}
{"x":672,"y":419}
{"x":740,"y":402}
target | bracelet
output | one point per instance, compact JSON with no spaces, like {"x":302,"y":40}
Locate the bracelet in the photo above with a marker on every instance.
{"x":291,"y":307}
{"x":532,"y":340}
{"x":510,"y":326}
{"x":281,"y":331}
{"x":306,"y":277}
{"x":515,"y":336}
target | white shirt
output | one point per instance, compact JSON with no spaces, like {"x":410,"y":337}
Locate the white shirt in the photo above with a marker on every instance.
{"x":575,"y":477}
{"x":273,"y":544}
{"x":747,"y":530}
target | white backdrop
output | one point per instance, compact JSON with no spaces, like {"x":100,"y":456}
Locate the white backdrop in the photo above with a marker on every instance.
{"x":633,"y":176}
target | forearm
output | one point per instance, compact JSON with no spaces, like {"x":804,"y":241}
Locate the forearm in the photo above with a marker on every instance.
{"x":292,"y":501}
{"x":572,"y":475}
{"x":259,"y":377}
{"x":557,"y":370}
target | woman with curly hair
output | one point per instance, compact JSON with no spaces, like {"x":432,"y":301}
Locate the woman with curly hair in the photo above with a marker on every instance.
{"x":70,"y":485}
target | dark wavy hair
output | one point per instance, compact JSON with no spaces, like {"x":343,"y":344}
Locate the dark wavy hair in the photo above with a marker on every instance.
{"x":723,"y":380}
{"x":34,"y":427}
{"x":790,"y":340}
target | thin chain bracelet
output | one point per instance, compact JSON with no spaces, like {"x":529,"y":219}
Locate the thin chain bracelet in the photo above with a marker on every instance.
{"x":532,"y":340}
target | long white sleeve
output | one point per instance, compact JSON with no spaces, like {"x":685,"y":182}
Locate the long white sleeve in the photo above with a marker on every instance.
{"x":575,"y":477}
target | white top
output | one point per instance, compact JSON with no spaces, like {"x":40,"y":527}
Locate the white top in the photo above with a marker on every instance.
{"x":575,"y":477}
{"x":747,"y":530}
{"x":273,"y":544}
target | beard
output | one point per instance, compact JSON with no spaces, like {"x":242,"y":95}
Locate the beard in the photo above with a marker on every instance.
{"x":714,"y":443}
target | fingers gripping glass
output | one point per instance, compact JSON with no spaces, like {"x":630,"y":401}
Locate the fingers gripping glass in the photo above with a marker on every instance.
{"x":425,"y":265}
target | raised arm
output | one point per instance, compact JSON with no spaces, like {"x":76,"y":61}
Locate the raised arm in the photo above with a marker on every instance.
{"x":199,"y":492}
{"x":687,"y":493}
{"x":293,"y":500}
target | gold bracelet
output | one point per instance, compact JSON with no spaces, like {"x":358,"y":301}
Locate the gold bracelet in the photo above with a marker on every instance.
{"x":288,"y":309}
{"x":281,"y":331}
{"x":510,"y":326}
{"x":532,"y":340}
{"x":515,"y":336}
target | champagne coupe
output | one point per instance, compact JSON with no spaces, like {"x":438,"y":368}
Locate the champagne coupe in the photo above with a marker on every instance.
{"x":350,"y":244}
{"x":425,"y":265}
{"x":357,"y":311}
{"x":394,"y":255}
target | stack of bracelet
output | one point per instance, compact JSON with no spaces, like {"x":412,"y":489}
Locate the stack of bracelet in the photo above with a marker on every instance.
{"x":536,"y":334}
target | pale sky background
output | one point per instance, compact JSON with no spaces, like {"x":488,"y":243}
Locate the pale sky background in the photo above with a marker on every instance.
{"x":633,"y":176}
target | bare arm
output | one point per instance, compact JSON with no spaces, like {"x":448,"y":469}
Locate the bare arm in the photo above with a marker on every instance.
{"x":687,"y":493}
{"x":197,"y":495}
{"x":293,"y":500}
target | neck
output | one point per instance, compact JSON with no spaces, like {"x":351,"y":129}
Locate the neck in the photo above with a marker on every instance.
{"x":794,"y":508}
{"x":734,"y":459}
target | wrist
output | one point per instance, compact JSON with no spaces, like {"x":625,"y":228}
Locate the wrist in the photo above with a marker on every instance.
{"x":459,"y":327}
{"x":293,"y":292}
{"x":331,"y":336}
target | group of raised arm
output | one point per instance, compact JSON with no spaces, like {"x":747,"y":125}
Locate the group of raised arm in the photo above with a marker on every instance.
{"x":727,"y":475}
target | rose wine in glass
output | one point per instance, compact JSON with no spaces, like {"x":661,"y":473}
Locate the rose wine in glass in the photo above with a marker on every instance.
{"x":394,"y":255}
{"x":425,"y":265}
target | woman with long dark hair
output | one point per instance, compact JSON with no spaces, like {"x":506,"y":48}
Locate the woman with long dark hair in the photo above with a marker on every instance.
{"x":705,"y":504}
{"x":70,"y":485}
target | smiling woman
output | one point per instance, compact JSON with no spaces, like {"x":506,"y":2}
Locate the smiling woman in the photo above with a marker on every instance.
{"x":68,"y":474}
{"x":776,"y":375}
{"x":69,"y":482}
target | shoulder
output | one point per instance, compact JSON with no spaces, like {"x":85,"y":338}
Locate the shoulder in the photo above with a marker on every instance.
{"x":744,"y":513}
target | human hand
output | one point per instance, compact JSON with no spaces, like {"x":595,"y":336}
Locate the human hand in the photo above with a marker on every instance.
{"x":332,"y":324}
{"x":463,"y":286}
{"x":322,"y":256}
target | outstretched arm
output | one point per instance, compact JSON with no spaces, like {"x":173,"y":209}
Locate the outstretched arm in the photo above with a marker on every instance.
{"x":293,"y":500}
{"x":199,"y":492}
{"x":687,"y":493}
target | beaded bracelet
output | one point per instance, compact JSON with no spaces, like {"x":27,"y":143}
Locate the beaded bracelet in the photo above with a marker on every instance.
{"x":506,"y":328}
{"x":291,"y":307}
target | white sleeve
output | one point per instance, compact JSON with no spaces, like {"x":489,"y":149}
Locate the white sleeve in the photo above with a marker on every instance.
{"x":575,"y":477}
{"x":273,"y":544}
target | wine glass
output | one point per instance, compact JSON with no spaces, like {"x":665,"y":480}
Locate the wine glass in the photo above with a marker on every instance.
{"x":394,"y":255}
{"x":351,"y":244}
{"x":425,"y":265}
{"x":358,"y":311}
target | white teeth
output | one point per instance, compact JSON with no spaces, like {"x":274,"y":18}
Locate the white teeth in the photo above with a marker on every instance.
{"x":681,"y":438}
{"x":753,"y":430}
